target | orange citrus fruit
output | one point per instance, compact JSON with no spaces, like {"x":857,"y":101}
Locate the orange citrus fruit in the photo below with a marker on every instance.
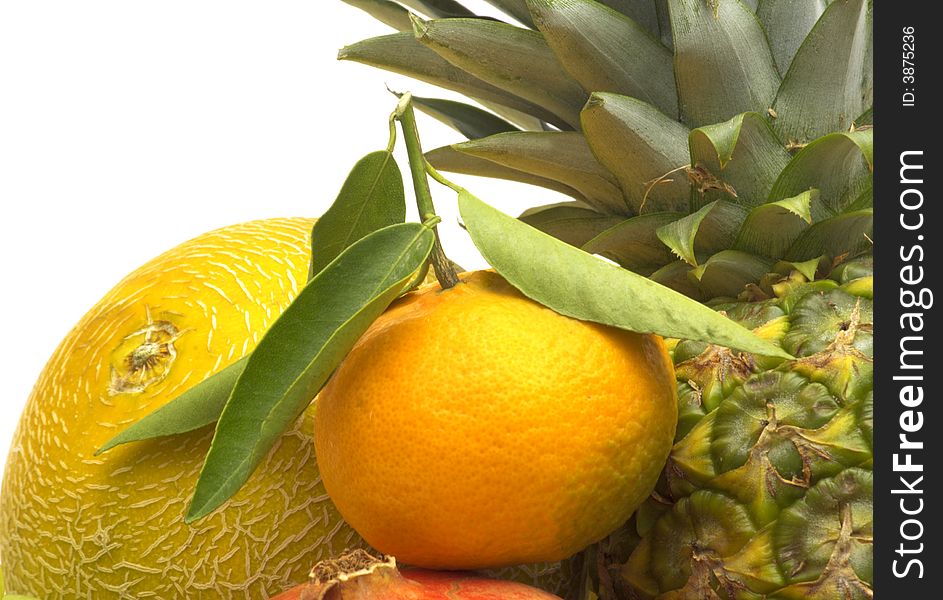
{"x":73,"y":525}
{"x":474,"y":428}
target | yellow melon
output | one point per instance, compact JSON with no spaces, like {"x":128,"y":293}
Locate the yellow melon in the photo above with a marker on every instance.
{"x":73,"y":525}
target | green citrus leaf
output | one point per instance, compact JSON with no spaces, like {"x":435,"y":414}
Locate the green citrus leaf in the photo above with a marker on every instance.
{"x":579,"y":285}
{"x":571,"y":222}
{"x":563,"y":156}
{"x":197,"y":407}
{"x":300,"y":351}
{"x":468,"y":120}
{"x":511,"y":58}
{"x":723,"y":63}
{"x":371,"y":198}
{"x":606,"y":51}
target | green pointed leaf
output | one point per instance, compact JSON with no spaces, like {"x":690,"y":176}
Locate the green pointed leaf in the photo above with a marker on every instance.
{"x":514,"y":8}
{"x":770,"y":229}
{"x":371,"y":198}
{"x":726,"y":273}
{"x":634,"y":243}
{"x":709,"y":230}
{"x":723,"y":64}
{"x":839,"y":165}
{"x":385,"y":11}
{"x":439,"y":9}
{"x":807,"y":268}
{"x":300,"y":351}
{"x":740,"y":159}
{"x":521,"y":120}
{"x":570,"y":222}
{"x":470,"y":121}
{"x":677,"y":276}
{"x":451,"y":160}
{"x":664,"y":23}
{"x":402,"y":53}
{"x":197,"y":407}
{"x":865,"y":119}
{"x":643,"y":12}
{"x":822,"y":96}
{"x":848,"y":233}
{"x":511,"y":58}
{"x":580,"y":285}
{"x":563,"y":156}
{"x":606,"y":51}
{"x":864,"y":200}
{"x":643,"y":148}
{"x":787,"y":23}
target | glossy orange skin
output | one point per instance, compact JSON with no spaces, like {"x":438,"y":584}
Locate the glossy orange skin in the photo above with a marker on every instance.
{"x":474,"y":428}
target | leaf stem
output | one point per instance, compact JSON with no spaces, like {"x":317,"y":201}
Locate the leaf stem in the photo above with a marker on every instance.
{"x":444,"y":271}
{"x":392,"y":143}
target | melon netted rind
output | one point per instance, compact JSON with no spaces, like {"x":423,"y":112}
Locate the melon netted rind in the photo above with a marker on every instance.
{"x":76,"y":525}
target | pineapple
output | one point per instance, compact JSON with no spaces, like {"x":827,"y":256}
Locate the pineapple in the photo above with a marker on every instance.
{"x":724,"y":149}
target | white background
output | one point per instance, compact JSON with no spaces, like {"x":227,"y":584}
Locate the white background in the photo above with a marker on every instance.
{"x":127,"y":127}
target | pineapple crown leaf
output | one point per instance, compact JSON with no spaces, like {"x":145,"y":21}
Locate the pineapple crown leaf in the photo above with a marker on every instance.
{"x":734,"y":93}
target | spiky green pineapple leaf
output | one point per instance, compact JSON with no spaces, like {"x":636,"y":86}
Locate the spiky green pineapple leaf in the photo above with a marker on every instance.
{"x":511,"y":58}
{"x":451,"y":160}
{"x":677,"y":276}
{"x":741,"y":159}
{"x":847,"y":233}
{"x":808,"y":268}
{"x":634,"y":243}
{"x":726,"y":273}
{"x":723,"y":63}
{"x":570,"y":222}
{"x":839,"y":165}
{"x":642,"y":147}
{"x":643,"y":12}
{"x":787,"y":23}
{"x":470,"y":121}
{"x":402,"y":53}
{"x":387,"y":12}
{"x":864,"y":200}
{"x":664,"y":23}
{"x":580,"y":285}
{"x":711,"y":229}
{"x":514,"y":8}
{"x":562,"y":156}
{"x":819,"y":96}
{"x":439,"y":9}
{"x":770,"y":229}
{"x":606,"y":51}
